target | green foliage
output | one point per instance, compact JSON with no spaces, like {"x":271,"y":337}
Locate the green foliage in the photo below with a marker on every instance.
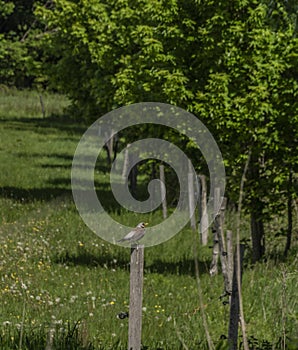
{"x":21,"y":55}
{"x":6,"y":8}
{"x":122,"y":52}
{"x":250,"y":98}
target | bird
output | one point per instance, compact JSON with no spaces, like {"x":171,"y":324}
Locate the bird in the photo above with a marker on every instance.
{"x":136,"y":234}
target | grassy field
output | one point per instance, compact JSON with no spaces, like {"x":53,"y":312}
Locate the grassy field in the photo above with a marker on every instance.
{"x":62,"y":287}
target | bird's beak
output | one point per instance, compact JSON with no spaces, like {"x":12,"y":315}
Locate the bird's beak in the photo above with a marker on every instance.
{"x":146,"y":223}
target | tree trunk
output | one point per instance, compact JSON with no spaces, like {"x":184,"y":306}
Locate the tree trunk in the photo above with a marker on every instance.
{"x":290,"y":214}
{"x":257,"y":236}
{"x":133,"y":179}
{"x":111,"y":146}
{"x":256,"y":210}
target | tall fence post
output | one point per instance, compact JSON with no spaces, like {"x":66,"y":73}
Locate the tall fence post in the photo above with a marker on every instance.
{"x":126,"y":163}
{"x":191,"y":197}
{"x":136,"y":296}
{"x":234,"y":308}
{"x":215,"y":250}
{"x":163,"y":191}
{"x":230,"y":255}
{"x":204,"y":221}
{"x":219,"y":226}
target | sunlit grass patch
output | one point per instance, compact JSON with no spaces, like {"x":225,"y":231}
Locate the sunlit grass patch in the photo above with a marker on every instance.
{"x":29,"y":104}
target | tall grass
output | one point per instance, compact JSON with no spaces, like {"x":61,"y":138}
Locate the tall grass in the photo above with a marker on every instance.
{"x":62,"y":287}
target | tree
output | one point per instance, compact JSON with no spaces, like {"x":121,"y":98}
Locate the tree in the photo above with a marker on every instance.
{"x":251,"y":95}
{"x":233,"y":64}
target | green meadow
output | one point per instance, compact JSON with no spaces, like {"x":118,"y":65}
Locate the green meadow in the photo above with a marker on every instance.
{"x":62,"y":287}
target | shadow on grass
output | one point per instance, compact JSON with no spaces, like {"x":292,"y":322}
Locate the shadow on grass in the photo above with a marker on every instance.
{"x":106,"y":260}
{"x":60,"y":122}
{"x":182,"y":267}
{"x":64,"y":157}
{"x":59,"y":189}
{"x":101,"y":166}
{"x":33,"y":194}
{"x":122,"y":261}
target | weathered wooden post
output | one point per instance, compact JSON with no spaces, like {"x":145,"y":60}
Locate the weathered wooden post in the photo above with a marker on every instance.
{"x":215,"y":250}
{"x":191,"y":197}
{"x":219,"y":226}
{"x":126,"y":163}
{"x":230,"y":255}
{"x":163,"y":191}
{"x":199,"y":192}
{"x":234,"y":308}
{"x":136,"y":296}
{"x":204,"y":221}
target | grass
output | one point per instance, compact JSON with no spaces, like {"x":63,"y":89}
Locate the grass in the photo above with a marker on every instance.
{"x":62,"y":287}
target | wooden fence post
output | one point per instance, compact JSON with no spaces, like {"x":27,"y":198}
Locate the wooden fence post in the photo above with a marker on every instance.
{"x":234,"y":308}
{"x":126,"y":163}
{"x":191,"y":197}
{"x":199,"y":204}
{"x":204,"y":221}
{"x":136,"y":295}
{"x":215,"y":250}
{"x":230,"y":255}
{"x":163,"y":191}
{"x":219,"y":226}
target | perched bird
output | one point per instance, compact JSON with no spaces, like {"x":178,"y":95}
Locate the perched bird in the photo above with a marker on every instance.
{"x":136,"y":234}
